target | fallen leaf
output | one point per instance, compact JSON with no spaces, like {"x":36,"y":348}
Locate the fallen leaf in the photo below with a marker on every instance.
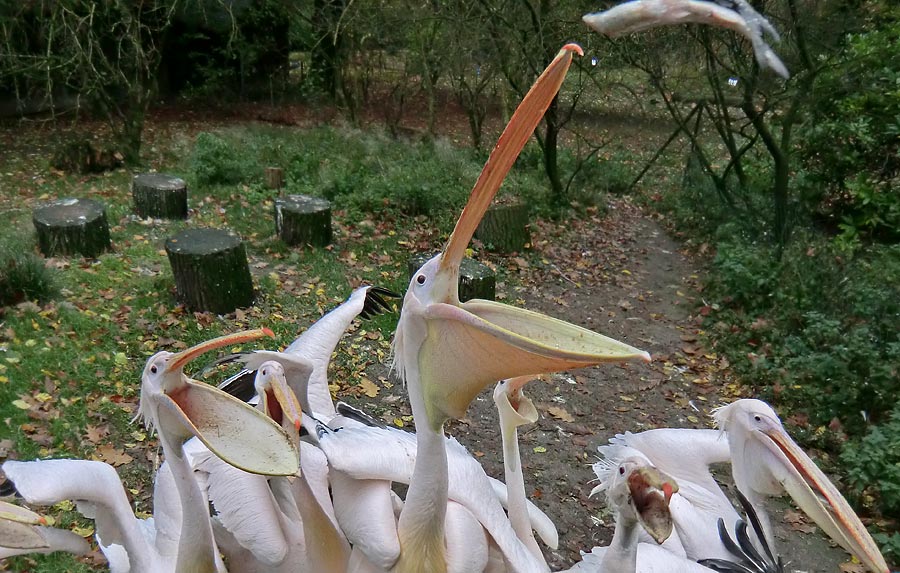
{"x":540,"y":450}
{"x":112,"y":456}
{"x":560,"y":414}
{"x":368,"y":387}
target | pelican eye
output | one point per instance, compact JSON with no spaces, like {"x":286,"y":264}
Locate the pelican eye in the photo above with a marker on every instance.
{"x":757,"y":418}
{"x":154,"y":369}
{"x":421,"y":279}
{"x":621,"y":470}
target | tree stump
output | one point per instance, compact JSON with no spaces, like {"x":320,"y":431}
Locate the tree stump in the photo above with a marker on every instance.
{"x":159,"y":196}
{"x":210,"y":269}
{"x":476,"y":280}
{"x":274,"y":178}
{"x":303,"y":220}
{"x":504,"y":227}
{"x":72,"y":226}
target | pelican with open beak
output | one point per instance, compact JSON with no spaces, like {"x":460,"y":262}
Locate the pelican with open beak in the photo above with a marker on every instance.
{"x":181,"y":408}
{"x":447,"y":351}
{"x":765,"y":461}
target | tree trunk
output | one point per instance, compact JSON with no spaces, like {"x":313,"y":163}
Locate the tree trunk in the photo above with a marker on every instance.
{"x":551,"y":163}
{"x":504,"y":227}
{"x":210,"y":270}
{"x":303,"y":220}
{"x":72,"y":226}
{"x":159,"y":196}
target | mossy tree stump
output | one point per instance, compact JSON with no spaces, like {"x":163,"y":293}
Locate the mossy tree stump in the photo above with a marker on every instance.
{"x":476,"y":280}
{"x":159,"y":196}
{"x":504,"y":227}
{"x":71,"y":226}
{"x":210,"y":269}
{"x":303,"y":220}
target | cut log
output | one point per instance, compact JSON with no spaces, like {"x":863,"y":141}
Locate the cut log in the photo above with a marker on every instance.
{"x":210,"y":269}
{"x":303,"y":220}
{"x":159,"y":196}
{"x":504,"y":227}
{"x":71,"y":226}
{"x":476,"y":280}
{"x":274,"y":178}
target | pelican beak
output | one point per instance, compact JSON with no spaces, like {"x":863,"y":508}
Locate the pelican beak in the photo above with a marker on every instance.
{"x":472,"y":345}
{"x":285,"y":399}
{"x":512,"y":140}
{"x":821,"y":501}
{"x":513,"y":404}
{"x":231,"y":429}
{"x":651,"y":491}
{"x":18,"y":528}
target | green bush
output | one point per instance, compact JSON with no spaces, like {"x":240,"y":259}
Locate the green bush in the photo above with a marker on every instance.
{"x":873,"y":464}
{"x":218,"y":160}
{"x":850,"y":141}
{"x":23,"y":276}
{"x":816,"y":331}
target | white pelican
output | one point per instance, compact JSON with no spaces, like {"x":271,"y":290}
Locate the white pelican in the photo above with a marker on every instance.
{"x":447,"y":351}
{"x":179,"y":536}
{"x":765,"y":462}
{"x":515,"y":409}
{"x":305,"y":361}
{"x":639,"y":495}
{"x":629,"y":17}
{"x":24,"y":531}
{"x":275,"y":523}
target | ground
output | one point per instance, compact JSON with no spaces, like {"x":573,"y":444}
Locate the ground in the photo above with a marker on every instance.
{"x":621,"y":275}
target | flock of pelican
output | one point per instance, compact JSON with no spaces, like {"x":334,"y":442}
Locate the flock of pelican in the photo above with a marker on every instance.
{"x":291,"y":481}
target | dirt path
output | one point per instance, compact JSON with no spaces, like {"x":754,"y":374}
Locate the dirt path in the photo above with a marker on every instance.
{"x":622,"y":276}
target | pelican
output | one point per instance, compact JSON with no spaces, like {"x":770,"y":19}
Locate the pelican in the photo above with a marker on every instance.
{"x":24,"y":531}
{"x":447,"y":351}
{"x":638,"y":15}
{"x":179,"y":536}
{"x":515,"y":409}
{"x":305,"y":361}
{"x":275,"y":523}
{"x":639,"y":494}
{"x":765,"y":462}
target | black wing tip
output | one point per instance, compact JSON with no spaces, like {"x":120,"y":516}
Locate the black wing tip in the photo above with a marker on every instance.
{"x":748,"y":558}
{"x":348,"y":411}
{"x":376,"y":302}
{"x":8,"y":489}
{"x":241,"y":385}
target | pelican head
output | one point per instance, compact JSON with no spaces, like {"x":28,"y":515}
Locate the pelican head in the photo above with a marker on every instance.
{"x":453,"y":350}
{"x":639,"y":492}
{"x":276,"y":399}
{"x":180,"y":408}
{"x":766,"y":461}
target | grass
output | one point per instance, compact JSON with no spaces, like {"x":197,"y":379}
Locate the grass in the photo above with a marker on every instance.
{"x":70,"y":368}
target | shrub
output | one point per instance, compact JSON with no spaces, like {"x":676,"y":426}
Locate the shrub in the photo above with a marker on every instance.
{"x":873,"y":464}
{"x":216,"y":160}
{"x":23,"y":276}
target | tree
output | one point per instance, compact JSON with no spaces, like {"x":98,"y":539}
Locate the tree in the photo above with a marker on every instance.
{"x":105,"y":52}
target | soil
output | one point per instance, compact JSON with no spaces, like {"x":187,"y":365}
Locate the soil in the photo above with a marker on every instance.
{"x":621,"y":275}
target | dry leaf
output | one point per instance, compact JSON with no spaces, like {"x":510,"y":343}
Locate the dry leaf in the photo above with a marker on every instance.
{"x":560,"y":414}
{"x":112,"y":456}
{"x":368,"y":387}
